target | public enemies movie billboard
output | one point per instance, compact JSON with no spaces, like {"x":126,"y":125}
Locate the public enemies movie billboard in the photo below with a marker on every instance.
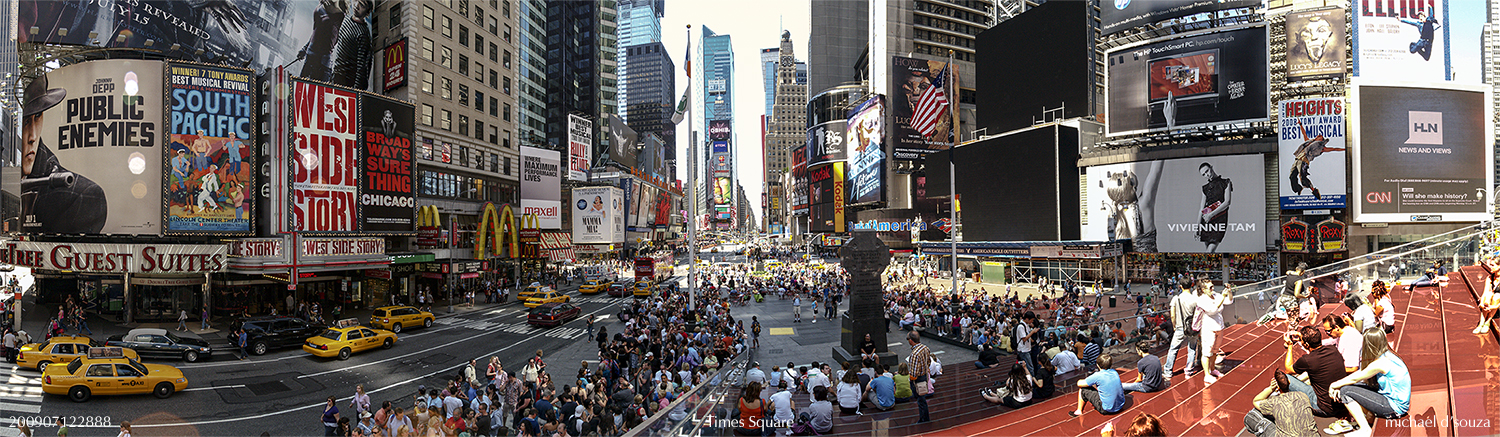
{"x":1118,"y":15}
{"x":387,"y":201}
{"x":324,"y":155}
{"x":1188,"y":82}
{"x":865,"y":136}
{"x":1315,"y":44}
{"x":90,"y":151}
{"x":210,"y":151}
{"x":1311,"y":146}
{"x":825,"y":142}
{"x":1212,"y":204}
{"x":910,"y":78}
{"x":328,"y":41}
{"x":1424,"y":152}
{"x":1402,"y":40}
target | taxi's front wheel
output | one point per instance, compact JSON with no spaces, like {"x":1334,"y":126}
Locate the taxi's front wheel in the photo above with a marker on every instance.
{"x":387,"y":344}
{"x":427,"y":323}
{"x":79,"y":394}
{"x":163,"y":390}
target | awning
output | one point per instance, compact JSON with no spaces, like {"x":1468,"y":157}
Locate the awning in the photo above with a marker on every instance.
{"x":562,"y":255}
{"x":557,"y":240}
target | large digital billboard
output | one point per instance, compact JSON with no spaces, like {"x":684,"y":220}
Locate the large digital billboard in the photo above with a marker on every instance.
{"x":865,"y":134}
{"x":91,"y":149}
{"x":1187,"y":82}
{"x":598,"y":216}
{"x":1423,"y":152}
{"x":541,"y":186}
{"x":909,"y":79}
{"x":580,"y":141}
{"x":325,"y":41}
{"x":825,"y":142}
{"x":723,"y":191}
{"x":1402,"y":40}
{"x":1311,"y":151}
{"x":622,"y":143}
{"x":325,"y":156}
{"x":722,"y":164}
{"x":1212,"y":204}
{"x":388,"y":201}
{"x":210,"y":152}
{"x":719,"y":130}
{"x":1315,"y":44}
{"x":1118,"y":15}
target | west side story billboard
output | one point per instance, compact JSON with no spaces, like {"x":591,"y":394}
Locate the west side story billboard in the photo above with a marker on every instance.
{"x":1401,"y":40}
{"x":91,"y":149}
{"x":1312,"y":153}
{"x":210,"y":151}
{"x":1187,"y":82}
{"x":324,"y":156}
{"x":388,"y":201}
{"x":1423,"y":152}
{"x":1213,"y":204}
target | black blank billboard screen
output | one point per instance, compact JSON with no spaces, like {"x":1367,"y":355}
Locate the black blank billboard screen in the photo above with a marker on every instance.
{"x":1118,"y":15}
{"x":1177,"y":83}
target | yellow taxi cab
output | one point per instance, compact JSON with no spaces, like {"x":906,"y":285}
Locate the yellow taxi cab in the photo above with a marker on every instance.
{"x":594,"y":286}
{"x":772,"y":264}
{"x":107,"y":371}
{"x":548,"y":296}
{"x":642,"y":288}
{"x":347,"y":337}
{"x":531,"y":290}
{"x":395,"y":318}
{"x":60,"y":350}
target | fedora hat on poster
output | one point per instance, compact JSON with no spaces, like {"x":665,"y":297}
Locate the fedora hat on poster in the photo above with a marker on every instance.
{"x":39,"y":98}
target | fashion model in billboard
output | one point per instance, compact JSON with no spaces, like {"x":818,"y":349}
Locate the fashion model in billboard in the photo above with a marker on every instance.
{"x":1127,"y":192}
{"x":1218,"y":192}
{"x":53,"y":199}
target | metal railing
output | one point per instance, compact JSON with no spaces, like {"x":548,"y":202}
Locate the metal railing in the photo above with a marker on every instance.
{"x":694,"y":411}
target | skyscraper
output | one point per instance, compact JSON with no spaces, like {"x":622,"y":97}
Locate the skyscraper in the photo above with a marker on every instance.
{"x":840,"y":29}
{"x":769,"y":59}
{"x":718,"y":115}
{"x":647,"y":87}
{"x":788,"y":122}
{"x":580,"y":67}
{"x":640,"y":23}
{"x":531,"y":80}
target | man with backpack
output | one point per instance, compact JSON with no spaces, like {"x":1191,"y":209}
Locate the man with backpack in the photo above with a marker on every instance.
{"x":1183,"y":307}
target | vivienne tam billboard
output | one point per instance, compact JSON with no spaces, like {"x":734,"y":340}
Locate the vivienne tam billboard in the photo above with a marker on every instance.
{"x":324,"y":156}
{"x":116,"y":258}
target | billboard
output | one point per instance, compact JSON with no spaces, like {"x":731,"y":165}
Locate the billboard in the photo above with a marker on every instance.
{"x":723,"y":191}
{"x":1119,"y":15}
{"x":1424,"y":152}
{"x":91,"y":160}
{"x":210,"y":153}
{"x":1199,"y":80}
{"x":325,"y":178}
{"x":1315,"y":40}
{"x":580,"y":140}
{"x":622,"y":142}
{"x":825,"y":142}
{"x":721,"y":147}
{"x":259,"y":34}
{"x":393,"y":65}
{"x":1311,"y":146}
{"x":541,"y":186}
{"x":1212,"y":204}
{"x":1405,"y":40}
{"x":827,"y":197}
{"x":909,"y":79}
{"x":598,"y":217}
{"x":866,"y":135}
{"x":718,"y":130}
{"x":388,"y":202}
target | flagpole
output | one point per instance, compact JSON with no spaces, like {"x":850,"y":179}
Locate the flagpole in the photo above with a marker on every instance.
{"x":952,"y":170}
{"x":692,"y":184}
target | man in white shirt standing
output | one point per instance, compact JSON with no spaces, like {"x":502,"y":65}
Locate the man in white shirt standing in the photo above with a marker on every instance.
{"x":1211,"y":305}
{"x":796,"y":309}
{"x":1024,"y":336}
{"x":1183,"y":307}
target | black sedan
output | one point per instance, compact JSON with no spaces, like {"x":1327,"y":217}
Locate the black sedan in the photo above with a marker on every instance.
{"x":618,"y":290}
{"x":553,"y":314}
{"x":274,"y":332}
{"x":161,"y":343}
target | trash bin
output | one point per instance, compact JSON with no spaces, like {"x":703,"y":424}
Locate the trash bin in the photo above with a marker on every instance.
{"x":1111,"y":301}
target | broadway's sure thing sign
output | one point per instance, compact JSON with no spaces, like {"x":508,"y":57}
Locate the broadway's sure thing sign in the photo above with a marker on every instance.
{"x":325,"y":178}
{"x":210,"y":155}
{"x":388,"y":199}
{"x":1312,"y":153}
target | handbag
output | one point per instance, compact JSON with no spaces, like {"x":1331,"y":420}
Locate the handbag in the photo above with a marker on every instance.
{"x":920,"y":386}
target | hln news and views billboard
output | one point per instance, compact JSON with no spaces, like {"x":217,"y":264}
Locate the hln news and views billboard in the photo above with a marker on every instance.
{"x":324,"y":156}
{"x":580,"y":142}
{"x":909,"y":79}
{"x":1312,"y":149}
{"x":1212,"y":204}
{"x":825,"y":142}
{"x":1401,"y":40}
{"x":541,"y":186}
{"x":1118,"y":15}
{"x":388,"y":197}
{"x":1315,"y":44}
{"x":1423,"y":153}
{"x":865,"y":136}
{"x":259,"y":34}
{"x":1187,"y":82}
{"x":91,"y":149}
{"x":210,"y":151}
{"x":598,"y":216}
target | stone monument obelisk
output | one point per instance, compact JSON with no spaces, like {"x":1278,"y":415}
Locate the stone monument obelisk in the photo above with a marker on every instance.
{"x":865,"y":258}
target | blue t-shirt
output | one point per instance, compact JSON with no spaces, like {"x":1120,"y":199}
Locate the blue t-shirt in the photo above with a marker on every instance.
{"x":1395,"y":383}
{"x":885,"y":390}
{"x":1111,"y":393}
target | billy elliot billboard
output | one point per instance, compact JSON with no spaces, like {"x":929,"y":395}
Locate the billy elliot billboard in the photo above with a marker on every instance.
{"x":324,"y":157}
{"x":91,"y":149}
{"x":1402,"y":40}
{"x":1424,"y":152}
{"x":910,"y":78}
{"x":1315,"y":41}
{"x":580,"y":140}
{"x":210,"y":151}
{"x":1211,"y":204}
{"x":301,"y":35}
{"x":387,"y":201}
{"x":1188,"y":82}
{"x":1312,"y":152}
{"x":1118,"y":15}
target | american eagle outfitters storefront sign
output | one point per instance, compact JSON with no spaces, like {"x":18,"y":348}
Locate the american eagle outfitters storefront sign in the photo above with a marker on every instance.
{"x":116,"y":258}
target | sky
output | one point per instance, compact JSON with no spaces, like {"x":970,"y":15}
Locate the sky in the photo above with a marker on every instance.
{"x":757,"y":25}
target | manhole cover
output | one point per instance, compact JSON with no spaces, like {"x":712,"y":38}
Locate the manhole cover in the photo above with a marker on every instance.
{"x":266,"y":388}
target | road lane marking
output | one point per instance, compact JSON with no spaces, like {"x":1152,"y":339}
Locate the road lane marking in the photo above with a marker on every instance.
{"x":214,"y":388}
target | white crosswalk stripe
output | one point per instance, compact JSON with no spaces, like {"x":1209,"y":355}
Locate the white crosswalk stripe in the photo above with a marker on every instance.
{"x":514,"y":328}
{"x":22,"y":391}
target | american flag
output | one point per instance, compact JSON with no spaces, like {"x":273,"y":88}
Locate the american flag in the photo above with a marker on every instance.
{"x":932,"y":105}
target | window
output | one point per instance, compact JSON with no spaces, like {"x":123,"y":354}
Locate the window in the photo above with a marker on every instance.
{"x":479,"y":44}
{"x":427,"y":49}
{"x":395,"y":15}
{"x":447,"y":93}
{"x":506,"y":60}
{"x":479,"y":130}
{"x":494,"y":104}
{"x":478,"y":101}
{"x":494,"y":52}
{"x":507,"y":85}
{"x":446,"y":122}
{"x":493,"y":76}
{"x":506,"y":8}
{"x":507,"y":166}
{"x":463,"y":8}
{"x":100,"y":370}
{"x":463,"y":94}
{"x":478,"y":14}
{"x":463,"y":125}
{"x":427,"y":81}
{"x":447,"y":57}
{"x":427,"y":115}
{"x":463,"y":65}
{"x":494,"y":26}
{"x":427,"y":16}
{"x":505,"y":113}
{"x":506,"y":139}
{"x":479,"y":72}
{"x":506,"y":35}
{"x":463,"y":35}
{"x":494,"y":162}
{"x":447,"y":27}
